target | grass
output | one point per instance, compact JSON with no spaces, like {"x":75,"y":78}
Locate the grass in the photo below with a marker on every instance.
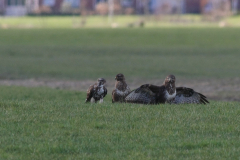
{"x":139,"y":53}
{"x":42,"y":123}
{"x":119,"y":21}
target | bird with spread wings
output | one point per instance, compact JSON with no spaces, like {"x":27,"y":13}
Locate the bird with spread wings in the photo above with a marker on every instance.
{"x":166,"y":93}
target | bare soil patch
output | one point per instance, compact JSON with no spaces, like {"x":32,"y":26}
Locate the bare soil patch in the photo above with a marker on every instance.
{"x":214,"y":89}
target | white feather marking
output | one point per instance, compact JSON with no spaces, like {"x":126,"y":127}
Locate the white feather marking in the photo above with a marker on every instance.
{"x":101,"y":101}
{"x":123,"y":93}
{"x":100,"y":90}
{"x":168,"y":96}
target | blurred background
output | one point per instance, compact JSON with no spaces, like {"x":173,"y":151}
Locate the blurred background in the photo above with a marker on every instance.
{"x":146,"y":12}
{"x":68,"y":44}
{"x":50,"y":7}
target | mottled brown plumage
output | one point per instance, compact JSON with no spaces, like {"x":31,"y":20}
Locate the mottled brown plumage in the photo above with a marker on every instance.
{"x":97,"y":91}
{"x":121,"y":89}
{"x":188,"y":95}
{"x":151,"y":94}
{"x":166,"y":93}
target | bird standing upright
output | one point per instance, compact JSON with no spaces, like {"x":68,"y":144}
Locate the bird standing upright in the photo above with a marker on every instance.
{"x":97,"y":91}
{"x":121,"y":89}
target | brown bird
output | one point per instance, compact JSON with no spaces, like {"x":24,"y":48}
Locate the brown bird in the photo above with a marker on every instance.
{"x":166,"y":93}
{"x":121,"y":89}
{"x":97,"y":91}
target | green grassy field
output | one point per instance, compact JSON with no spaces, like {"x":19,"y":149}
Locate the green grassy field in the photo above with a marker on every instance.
{"x":42,"y":123}
{"x":140,"y":53}
{"x":195,"y":21}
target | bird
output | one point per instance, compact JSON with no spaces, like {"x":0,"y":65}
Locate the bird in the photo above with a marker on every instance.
{"x":121,"y":89}
{"x":97,"y":91}
{"x":166,"y":93}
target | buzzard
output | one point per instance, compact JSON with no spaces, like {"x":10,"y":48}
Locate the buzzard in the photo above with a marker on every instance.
{"x":166,"y":93}
{"x":121,"y":89}
{"x":97,"y":91}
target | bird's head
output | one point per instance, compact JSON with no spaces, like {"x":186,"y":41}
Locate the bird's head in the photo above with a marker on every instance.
{"x":101,"y":81}
{"x":120,"y":77}
{"x":170,"y":84}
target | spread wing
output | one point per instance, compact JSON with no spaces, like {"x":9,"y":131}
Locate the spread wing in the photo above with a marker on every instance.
{"x":145,"y":94}
{"x":187,"y":95}
{"x":90,"y":93}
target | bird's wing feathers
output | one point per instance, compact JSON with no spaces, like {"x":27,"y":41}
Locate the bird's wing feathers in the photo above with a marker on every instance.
{"x":143,"y":95}
{"x":90,"y":93}
{"x":150,"y":87}
{"x":188,"y":95}
{"x":114,"y":96}
{"x":155,"y":89}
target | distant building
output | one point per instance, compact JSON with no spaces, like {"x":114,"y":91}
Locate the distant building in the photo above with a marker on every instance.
{"x":15,"y":7}
{"x":23,"y":7}
{"x":2,"y":6}
{"x":167,"y":6}
{"x":193,"y":6}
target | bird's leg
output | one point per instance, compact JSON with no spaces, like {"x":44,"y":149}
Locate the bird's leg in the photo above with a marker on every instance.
{"x":101,"y":100}
{"x":92,"y":100}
